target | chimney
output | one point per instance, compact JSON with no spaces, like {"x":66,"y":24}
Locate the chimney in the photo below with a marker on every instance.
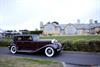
{"x":91,"y":21}
{"x":78,"y":21}
{"x":41,"y":25}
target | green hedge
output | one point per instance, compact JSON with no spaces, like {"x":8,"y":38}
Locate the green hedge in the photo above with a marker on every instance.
{"x":82,"y":45}
{"x":5,"y":42}
{"x":89,"y":43}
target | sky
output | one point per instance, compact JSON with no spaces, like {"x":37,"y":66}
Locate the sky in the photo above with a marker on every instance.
{"x":27,"y":14}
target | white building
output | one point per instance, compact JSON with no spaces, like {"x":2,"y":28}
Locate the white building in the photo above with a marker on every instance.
{"x":70,"y":29}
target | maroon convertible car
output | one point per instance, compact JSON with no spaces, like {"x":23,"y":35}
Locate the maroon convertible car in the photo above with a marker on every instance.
{"x":34,"y":44}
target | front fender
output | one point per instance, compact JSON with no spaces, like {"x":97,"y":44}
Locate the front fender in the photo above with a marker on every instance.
{"x":52,"y":45}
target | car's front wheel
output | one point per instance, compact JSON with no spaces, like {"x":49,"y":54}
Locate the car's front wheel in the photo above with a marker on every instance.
{"x":49,"y":51}
{"x":13,"y":49}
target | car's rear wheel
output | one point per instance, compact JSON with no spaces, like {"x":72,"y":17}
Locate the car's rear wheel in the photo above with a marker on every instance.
{"x":13,"y":49}
{"x":49,"y":51}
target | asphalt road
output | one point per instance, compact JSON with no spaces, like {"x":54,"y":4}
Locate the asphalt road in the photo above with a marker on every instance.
{"x":71,"y":59}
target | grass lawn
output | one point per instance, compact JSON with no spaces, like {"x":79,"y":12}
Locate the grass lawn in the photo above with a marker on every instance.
{"x":73,"y":38}
{"x":12,"y":61}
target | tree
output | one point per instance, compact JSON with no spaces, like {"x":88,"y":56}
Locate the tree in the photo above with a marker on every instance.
{"x":24,"y":31}
{"x":55,"y":22}
{"x":96,"y":21}
{"x":36,"y":32}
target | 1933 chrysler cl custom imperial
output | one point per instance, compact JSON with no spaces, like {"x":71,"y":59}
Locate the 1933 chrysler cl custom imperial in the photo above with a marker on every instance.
{"x":33,"y":43}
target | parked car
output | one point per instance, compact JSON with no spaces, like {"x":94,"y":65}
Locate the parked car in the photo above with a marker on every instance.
{"x":33,"y":43}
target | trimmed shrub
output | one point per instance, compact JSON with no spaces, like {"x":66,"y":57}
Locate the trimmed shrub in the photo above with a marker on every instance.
{"x":36,"y":32}
{"x":94,"y":45}
{"x":90,"y":43}
{"x":67,"y":45}
{"x":82,"y":45}
{"x":4,"y":43}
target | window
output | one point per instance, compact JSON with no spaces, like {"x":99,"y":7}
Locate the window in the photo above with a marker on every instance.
{"x":24,"y":38}
{"x":19,"y":38}
{"x":35,"y":37}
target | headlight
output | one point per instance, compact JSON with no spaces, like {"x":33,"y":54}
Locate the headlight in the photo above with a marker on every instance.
{"x":60,"y":44}
{"x":54,"y":41}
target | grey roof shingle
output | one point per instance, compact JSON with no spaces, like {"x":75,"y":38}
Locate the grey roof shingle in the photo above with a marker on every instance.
{"x":81,"y":26}
{"x":77,"y":26}
{"x":62,"y":26}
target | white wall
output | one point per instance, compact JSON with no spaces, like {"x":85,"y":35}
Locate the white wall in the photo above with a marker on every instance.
{"x":70,"y":30}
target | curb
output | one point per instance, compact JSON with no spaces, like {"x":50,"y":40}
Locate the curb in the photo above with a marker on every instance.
{"x":77,"y":65}
{"x":64,"y":64}
{"x":79,"y":52}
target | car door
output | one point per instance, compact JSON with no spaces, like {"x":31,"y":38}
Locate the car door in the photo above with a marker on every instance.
{"x":27,"y":42}
{"x":22,"y":42}
{"x":37,"y":44}
{"x":19,"y":42}
{"x":34,"y":43}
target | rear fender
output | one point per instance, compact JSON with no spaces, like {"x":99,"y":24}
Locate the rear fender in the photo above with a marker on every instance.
{"x":12,"y":44}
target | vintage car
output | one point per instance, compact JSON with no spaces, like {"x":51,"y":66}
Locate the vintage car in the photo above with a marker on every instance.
{"x":34,"y":44}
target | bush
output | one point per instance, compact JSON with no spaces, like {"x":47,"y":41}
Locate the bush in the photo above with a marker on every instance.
{"x":94,"y":45}
{"x":67,"y":45}
{"x":82,"y":45}
{"x":36,"y":32}
{"x":4,"y":43}
{"x":90,"y":43}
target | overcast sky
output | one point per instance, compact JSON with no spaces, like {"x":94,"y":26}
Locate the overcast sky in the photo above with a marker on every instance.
{"x":27,"y":14}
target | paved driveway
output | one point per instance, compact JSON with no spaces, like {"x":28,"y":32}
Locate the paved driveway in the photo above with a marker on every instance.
{"x":71,"y":59}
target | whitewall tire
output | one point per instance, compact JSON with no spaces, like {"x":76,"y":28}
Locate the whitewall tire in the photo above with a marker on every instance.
{"x":49,"y":51}
{"x":13,"y":49}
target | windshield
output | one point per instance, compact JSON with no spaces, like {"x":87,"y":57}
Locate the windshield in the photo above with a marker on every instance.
{"x":35,"y":37}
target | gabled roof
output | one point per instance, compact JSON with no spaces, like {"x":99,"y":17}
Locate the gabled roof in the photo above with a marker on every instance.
{"x":62,"y":26}
{"x":94,"y":25}
{"x":81,"y":26}
{"x":77,"y":26}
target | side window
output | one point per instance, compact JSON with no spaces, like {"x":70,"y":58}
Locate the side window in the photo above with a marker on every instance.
{"x":27,"y":38}
{"x":30,"y":38}
{"x":24,"y":38}
{"x":19,"y":38}
{"x":35,"y":37}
